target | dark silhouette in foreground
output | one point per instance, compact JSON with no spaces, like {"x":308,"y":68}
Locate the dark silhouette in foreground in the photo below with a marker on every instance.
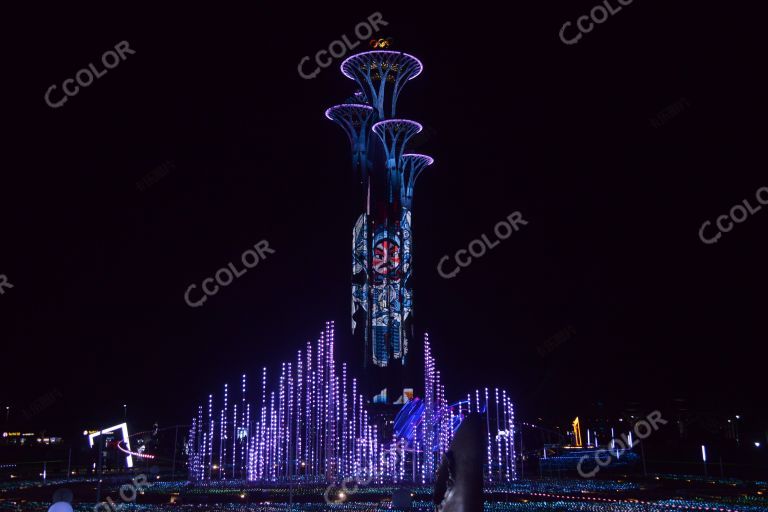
{"x":459,"y":483}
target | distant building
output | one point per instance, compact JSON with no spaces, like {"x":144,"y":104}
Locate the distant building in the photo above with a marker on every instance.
{"x":28,"y":439}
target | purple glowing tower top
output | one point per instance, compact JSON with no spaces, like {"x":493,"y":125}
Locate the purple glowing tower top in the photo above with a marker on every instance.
{"x":355,"y":119}
{"x":381,"y":74}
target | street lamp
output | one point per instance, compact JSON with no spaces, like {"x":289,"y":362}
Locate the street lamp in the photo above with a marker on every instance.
{"x":7,"y":412}
{"x":125,"y":412}
{"x":704,"y":458}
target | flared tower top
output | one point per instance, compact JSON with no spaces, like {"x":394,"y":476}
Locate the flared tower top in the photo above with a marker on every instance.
{"x":355,"y":119}
{"x":355,"y":113}
{"x":411,"y":165}
{"x":418,"y":160}
{"x":380,"y":73}
{"x":395,"y":134}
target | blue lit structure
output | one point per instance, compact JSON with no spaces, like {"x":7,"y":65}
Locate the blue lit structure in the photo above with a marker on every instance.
{"x":355,"y":119}
{"x":382,"y":301}
{"x":381,"y":75}
{"x":412,"y":165}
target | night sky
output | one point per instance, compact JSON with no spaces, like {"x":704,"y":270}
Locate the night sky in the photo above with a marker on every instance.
{"x":516,"y":121}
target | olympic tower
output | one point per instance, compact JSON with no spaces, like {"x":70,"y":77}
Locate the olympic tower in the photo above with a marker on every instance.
{"x":382,"y":243}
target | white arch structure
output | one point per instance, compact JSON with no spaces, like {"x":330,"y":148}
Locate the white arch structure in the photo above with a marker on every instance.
{"x":126,"y":440}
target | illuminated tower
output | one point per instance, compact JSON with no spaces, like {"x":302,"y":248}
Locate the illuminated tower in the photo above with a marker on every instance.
{"x":381,"y":238}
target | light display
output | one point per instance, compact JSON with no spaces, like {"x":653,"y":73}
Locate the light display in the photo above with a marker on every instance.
{"x":381,"y":238}
{"x":314,"y":426}
{"x":521,"y":495}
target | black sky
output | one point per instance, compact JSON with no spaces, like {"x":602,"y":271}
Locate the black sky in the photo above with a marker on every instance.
{"x":518,"y":121}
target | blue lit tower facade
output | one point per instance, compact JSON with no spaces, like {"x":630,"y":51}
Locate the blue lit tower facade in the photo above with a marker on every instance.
{"x":382,"y":295}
